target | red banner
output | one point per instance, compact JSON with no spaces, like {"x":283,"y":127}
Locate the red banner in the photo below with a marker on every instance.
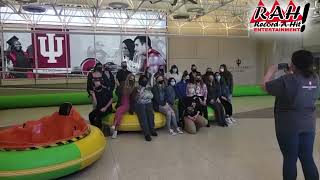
{"x":52,"y":50}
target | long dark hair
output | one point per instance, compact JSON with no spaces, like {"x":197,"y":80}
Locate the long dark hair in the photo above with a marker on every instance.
{"x":130,"y":46}
{"x":174,"y":67}
{"x":303,"y":61}
{"x":185,"y":73}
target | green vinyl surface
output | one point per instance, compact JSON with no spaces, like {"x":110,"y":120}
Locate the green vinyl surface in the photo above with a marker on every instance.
{"x":79,"y":98}
{"x":32,"y":159}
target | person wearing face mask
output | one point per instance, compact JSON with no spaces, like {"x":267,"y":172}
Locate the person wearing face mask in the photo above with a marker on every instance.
{"x":201,"y":94}
{"x":222,"y":92}
{"x":102,"y":103}
{"x":193,"y":120}
{"x":214,"y":102}
{"x":125,"y":104}
{"x":108,"y":78}
{"x":181,"y":89}
{"x":171,"y":96}
{"x":160,"y":104}
{"x":205,"y":77}
{"x":174,"y":73}
{"x":160,"y":72}
{"x":122,"y":73}
{"x":228,"y":77}
{"x":95,"y":74}
{"x":142,"y":96}
{"x":194,"y":71}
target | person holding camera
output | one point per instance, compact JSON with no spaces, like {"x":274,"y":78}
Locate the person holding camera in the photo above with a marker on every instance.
{"x":295,"y":120}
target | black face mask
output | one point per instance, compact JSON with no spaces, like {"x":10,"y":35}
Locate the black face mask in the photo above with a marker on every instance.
{"x":198,"y":80}
{"x":99,"y":88}
{"x":99,"y":69}
{"x":124,"y":66}
{"x":161,"y":82}
{"x":161,"y":70}
{"x":144,"y":83}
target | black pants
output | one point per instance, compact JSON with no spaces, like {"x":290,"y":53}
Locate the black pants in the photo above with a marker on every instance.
{"x":227,"y":107}
{"x":203,"y":108}
{"x":294,"y":146}
{"x":181,"y":108}
{"x":96,"y":117}
{"x":219,"y":113}
{"x":146,"y":117}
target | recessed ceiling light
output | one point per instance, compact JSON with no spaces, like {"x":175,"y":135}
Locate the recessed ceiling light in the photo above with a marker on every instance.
{"x":34,"y":8}
{"x":118,"y":5}
{"x":195,"y":9}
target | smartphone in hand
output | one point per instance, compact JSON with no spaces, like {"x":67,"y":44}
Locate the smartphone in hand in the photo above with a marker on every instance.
{"x":283,"y":66}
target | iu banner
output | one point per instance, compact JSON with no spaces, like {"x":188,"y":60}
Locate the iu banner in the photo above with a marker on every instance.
{"x":52,"y":51}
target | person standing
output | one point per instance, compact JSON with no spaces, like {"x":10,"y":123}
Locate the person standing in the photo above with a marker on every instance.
{"x":295,"y":120}
{"x":142,"y":96}
{"x":174,"y":73}
{"x":214,"y":102}
{"x":228,"y":77}
{"x":181,"y":93}
{"x":194,"y":71}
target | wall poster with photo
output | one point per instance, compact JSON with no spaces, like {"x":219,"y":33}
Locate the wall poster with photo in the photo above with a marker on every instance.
{"x":46,"y":52}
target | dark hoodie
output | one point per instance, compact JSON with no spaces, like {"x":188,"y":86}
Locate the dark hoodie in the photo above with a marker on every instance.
{"x":227,"y":76}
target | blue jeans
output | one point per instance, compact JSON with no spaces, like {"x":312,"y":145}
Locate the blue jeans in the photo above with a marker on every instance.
{"x":294,"y":146}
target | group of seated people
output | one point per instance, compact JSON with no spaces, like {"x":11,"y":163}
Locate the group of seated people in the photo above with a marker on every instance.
{"x":182,"y":98}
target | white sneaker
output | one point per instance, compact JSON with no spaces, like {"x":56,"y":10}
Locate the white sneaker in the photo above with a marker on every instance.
{"x":179,"y":131}
{"x":114,"y":135}
{"x":233,"y":120}
{"x":229,"y":122}
{"x":171,"y":132}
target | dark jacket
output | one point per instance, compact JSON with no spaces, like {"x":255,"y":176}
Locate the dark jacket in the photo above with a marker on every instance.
{"x":109,"y":82}
{"x":227,"y":76}
{"x":181,"y":89}
{"x":221,"y":89}
{"x":156,"y":97}
{"x":171,"y":95}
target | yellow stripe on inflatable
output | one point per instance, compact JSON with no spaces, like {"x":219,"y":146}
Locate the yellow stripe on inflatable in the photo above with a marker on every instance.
{"x":131,"y":122}
{"x":89,"y":145}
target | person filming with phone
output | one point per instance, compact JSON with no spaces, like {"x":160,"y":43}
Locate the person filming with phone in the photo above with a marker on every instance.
{"x":296,"y":93}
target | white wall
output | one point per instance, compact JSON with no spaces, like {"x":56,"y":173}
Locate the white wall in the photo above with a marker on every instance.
{"x":211,"y":52}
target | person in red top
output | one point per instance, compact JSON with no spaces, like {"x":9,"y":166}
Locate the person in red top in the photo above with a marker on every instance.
{"x":146,"y":56}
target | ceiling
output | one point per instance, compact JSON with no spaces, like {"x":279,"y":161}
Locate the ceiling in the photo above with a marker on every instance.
{"x":220,"y":15}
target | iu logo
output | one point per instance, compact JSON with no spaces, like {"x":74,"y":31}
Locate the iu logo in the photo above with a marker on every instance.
{"x":51,"y":53}
{"x":52,"y":49}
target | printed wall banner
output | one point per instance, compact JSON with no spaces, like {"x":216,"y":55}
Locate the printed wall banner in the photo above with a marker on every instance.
{"x":52,"y":50}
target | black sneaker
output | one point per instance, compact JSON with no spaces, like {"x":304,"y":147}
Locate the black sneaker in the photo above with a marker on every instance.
{"x":153,"y":133}
{"x":148,"y":138}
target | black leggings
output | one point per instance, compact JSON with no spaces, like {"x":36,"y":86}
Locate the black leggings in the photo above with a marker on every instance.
{"x":96,"y":117}
{"x":227,"y":106}
{"x":294,"y":146}
{"x":219,"y":113}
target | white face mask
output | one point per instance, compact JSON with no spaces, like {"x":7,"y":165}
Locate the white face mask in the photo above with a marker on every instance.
{"x":221,"y":70}
{"x":173,"y":83}
{"x":218,"y":78}
{"x":175,"y":70}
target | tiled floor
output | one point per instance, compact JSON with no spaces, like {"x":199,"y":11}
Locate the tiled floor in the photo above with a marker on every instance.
{"x":247,"y":151}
